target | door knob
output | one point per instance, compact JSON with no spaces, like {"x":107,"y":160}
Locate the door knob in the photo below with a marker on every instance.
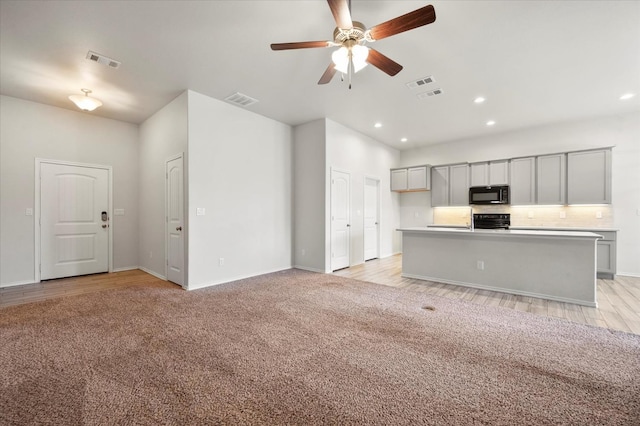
{"x":179,"y":228}
{"x":104,"y":225}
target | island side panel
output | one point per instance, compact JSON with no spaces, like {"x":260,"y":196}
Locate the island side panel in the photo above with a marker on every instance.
{"x":555,"y":268}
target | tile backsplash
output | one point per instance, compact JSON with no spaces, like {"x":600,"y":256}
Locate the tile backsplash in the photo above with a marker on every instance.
{"x":600,"y":216}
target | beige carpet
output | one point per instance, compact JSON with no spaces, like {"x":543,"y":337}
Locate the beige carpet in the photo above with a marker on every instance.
{"x":302,"y":348}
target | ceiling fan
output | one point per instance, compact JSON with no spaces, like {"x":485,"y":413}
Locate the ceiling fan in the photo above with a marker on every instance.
{"x":351,"y":36}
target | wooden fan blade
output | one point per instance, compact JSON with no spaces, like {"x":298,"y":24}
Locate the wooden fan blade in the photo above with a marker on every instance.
{"x":383,"y":63}
{"x":299,"y":45}
{"x":328,"y":74}
{"x":341,"y":13}
{"x":409,"y":21}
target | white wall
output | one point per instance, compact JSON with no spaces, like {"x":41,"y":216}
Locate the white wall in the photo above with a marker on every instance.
{"x":240,"y":172}
{"x":362,"y":156}
{"x":162,"y":136}
{"x":30,"y":130}
{"x":622,"y":131}
{"x":309,"y":180}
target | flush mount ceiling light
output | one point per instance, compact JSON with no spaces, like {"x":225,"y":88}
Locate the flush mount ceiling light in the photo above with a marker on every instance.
{"x":403,"y":140}
{"x":626,"y":96}
{"x":377,"y":125}
{"x":491,"y":123}
{"x":85,"y":103}
{"x":479,"y":100}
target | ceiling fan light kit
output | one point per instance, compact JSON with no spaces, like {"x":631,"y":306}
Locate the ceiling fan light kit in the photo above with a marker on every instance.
{"x":351,"y":36}
{"x":85,"y":103}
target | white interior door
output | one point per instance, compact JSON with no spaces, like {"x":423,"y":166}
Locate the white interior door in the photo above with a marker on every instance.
{"x":340,"y":217}
{"x":371,"y":220}
{"x":175,"y":221}
{"x":74,"y":216}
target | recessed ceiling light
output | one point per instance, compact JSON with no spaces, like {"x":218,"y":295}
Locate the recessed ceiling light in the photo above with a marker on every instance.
{"x":626,"y":96}
{"x":403,"y":140}
{"x":479,"y":100}
{"x":490,"y":123}
{"x":377,"y":125}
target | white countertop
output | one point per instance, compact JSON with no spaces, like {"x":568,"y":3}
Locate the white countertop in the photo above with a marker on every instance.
{"x":543,"y":232}
{"x":567,"y":228}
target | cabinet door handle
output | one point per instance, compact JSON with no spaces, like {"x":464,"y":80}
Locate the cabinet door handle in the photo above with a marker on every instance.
{"x":179,"y":228}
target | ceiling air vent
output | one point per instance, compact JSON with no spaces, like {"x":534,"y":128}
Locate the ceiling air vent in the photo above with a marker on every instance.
{"x":424,"y":95}
{"x":420,"y":82}
{"x":104,"y":60}
{"x":240,"y":99}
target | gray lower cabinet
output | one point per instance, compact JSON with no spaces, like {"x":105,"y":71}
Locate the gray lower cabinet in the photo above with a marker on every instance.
{"x":606,"y":249}
{"x":606,"y":256}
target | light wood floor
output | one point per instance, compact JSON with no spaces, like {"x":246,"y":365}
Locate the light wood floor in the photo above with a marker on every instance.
{"x":64,"y":287}
{"x":618,"y":300}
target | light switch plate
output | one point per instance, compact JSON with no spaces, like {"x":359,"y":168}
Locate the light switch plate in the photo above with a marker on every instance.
{"x":28,"y":212}
{"x":200,"y":211}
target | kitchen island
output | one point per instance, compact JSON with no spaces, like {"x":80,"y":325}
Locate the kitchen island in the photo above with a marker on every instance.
{"x":554,"y":265}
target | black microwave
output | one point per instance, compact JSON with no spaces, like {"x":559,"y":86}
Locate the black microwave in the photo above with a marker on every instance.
{"x":496,"y":194}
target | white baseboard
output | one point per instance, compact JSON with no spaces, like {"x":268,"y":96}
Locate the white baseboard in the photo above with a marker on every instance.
{"x":628,"y":274}
{"x":15,"y":283}
{"x":305,"y":268}
{"x":127,"y":268}
{"x":228,"y":280}
{"x":150,"y":272}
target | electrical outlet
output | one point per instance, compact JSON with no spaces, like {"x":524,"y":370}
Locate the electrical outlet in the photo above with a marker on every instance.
{"x":530,"y":215}
{"x":598,"y":215}
{"x":563,"y":215}
{"x":480,"y":265}
{"x":303,"y":252}
{"x":221,"y":261}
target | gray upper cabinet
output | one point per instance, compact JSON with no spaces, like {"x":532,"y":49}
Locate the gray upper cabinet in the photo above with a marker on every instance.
{"x":489,"y":173}
{"x":450,"y":185}
{"x":411,"y":179}
{"x":499,"y":172}
{"x":589,"y":177}
{"x":440,"y":186}
{"x":459,"y":185}
{"x":418,"y":178}
{"x":523,"y":181}
{"x":551,"y":179}
{"x":479,"y":174}
{"x":399,"y":181}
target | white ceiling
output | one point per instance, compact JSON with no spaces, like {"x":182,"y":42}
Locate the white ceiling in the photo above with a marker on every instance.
{"x":536,"y":62}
